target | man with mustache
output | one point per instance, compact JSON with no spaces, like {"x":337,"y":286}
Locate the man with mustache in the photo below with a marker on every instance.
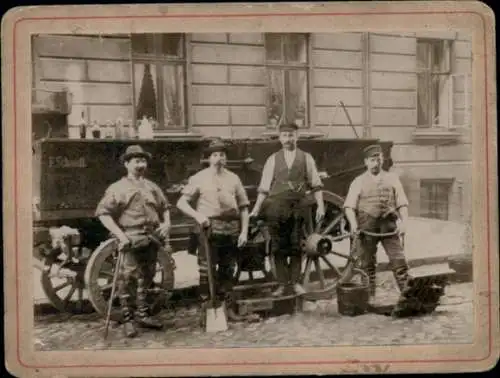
{"x":374,"y":201}
{"x":287,"y":175}
{"x":132,"y":208}
{"x":221,"y":203}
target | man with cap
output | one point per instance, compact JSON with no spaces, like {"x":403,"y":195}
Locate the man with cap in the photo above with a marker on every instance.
{"x":221,"y":206}
{"x":132,"y":208}
{"x":286,"y":178}
{"x":375,"y":201}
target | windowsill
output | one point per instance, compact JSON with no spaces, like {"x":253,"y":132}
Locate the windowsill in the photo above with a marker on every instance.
{"x":436,"y":134}
{"x":175,"y":134}
{"x":302,"y":134}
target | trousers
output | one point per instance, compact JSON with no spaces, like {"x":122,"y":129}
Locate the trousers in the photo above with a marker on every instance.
{"x":286,"y":221}
{"x":393,"y":247}
{"x":223,"y":249}
{"x":139,"y":267}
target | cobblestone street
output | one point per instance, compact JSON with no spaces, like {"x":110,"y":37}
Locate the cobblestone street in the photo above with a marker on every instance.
{"x":319,"y":324}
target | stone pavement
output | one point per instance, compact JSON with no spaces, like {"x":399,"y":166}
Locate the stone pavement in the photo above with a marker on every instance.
{"x":319,"y":324}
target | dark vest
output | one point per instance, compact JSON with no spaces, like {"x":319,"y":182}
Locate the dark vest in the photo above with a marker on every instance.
{"x":289,"y":182}
{"x":376,"y":198}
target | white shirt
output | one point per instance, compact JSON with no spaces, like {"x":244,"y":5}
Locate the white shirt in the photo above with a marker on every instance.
{"x":290,"y":157}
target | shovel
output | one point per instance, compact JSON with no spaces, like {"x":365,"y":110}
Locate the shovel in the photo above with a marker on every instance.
{"x":215,"y":317}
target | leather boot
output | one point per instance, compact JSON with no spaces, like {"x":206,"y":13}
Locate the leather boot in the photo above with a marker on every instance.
{"x":128,"y":327}
{"x":400,"y":272}
{"x":281,"y":275}
{"x":143,"y":317}
{"x":371,"y":271}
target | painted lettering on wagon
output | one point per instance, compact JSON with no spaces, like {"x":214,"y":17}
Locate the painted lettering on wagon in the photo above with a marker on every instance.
{"x":65,"y":162}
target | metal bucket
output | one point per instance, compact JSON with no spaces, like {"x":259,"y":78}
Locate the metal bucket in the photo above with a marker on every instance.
{"x":353,"y":298}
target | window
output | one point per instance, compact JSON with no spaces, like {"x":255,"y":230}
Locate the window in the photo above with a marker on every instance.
{"x":159,"y":66}
{"x":434,"y":198}
{"x":433,"y":72}
{"x":287,"y":61}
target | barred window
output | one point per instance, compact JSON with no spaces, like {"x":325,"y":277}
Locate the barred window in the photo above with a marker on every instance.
{"x":159,"y":69}
{"x":435,"y":198}
{"x":287,"y":61}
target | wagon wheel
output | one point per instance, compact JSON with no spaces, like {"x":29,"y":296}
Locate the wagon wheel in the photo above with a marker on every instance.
{"x":63,"y":284}
{"x":325,"y":245}
{"x":99,"y":277}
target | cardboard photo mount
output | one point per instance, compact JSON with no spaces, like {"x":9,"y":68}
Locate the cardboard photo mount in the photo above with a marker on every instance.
{"x":425,"y":18}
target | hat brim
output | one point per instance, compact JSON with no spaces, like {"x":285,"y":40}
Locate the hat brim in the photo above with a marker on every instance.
{"x":126,"y":157}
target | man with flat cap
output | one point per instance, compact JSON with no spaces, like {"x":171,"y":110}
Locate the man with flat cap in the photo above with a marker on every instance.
{"x":287,"y":175}
{"x":374,"y":202}
{"x":131,"y":209}
{"x":221,"y":206}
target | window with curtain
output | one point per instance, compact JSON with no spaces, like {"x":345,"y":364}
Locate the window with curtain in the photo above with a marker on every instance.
{"x":435,"y":198}
{"x":433,"y":74}
{"x":159,"y":66}
{"x":287,"y":64}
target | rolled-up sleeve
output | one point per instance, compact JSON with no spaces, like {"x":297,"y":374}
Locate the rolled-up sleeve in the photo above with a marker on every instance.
{"x":401,"y":198}
{"x":108,"y":205}
{"x":241,"y":194}
{"x":267,"y":176}
{"x":351,"y":200}
{"x":314,"y":180}
{"x":191,"y":189}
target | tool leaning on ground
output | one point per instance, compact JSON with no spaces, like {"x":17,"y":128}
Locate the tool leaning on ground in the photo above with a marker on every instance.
{"x":152,"y":237}
{"x":215,"y":316}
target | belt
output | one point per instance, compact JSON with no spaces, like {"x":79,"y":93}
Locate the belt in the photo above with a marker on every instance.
{"x":144,"y":229}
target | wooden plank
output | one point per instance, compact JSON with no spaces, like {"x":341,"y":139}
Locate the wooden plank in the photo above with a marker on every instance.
{"x":338,"y":41}
{"x":458,"y":152}
{"x":434,"y":34}
{"x":209,"y":74}
{"x":97,"y":93}
{"x":103,"y":113}
{"x":394,"y":117}
{"x":394,"y":63}
{"x":247,"y":38}
{"x":391,"y":99}
{"x":459,"y":101}
{"x":210,"y":115}
{"x":247,"y":75}
{"x":336,"y":59}
{"x":209,"y":37}
{"x":327,"y":115}
{"x":331,"y":96}
{"x":62,"y":69}
{"x":396,"y":135}
{"x":393,"y":80}
{"x":337,"y":78}
{"x":395,"y":45}
{"x":248,"y":115}
{"x":462,"y":49}
{"x":216,"y":95}
{"x":459,"y":85}
{"x":228,"y":54}
{"x":464,"y":36}
{"x":411,"y":152}
{"x":81,"y":47}
{"x":227,"y":132}
{"x":109,"y":71}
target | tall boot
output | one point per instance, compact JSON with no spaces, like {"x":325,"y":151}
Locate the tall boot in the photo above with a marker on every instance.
{"x":371,"y":271}
{"x":128,"y":327}
{"x":400,"y":271}
{"x":295,"y":270}
{"x":143,"y":317}
{"x":281,"y":274}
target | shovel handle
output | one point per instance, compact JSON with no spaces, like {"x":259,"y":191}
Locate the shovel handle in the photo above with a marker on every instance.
{"x":206,"y":247}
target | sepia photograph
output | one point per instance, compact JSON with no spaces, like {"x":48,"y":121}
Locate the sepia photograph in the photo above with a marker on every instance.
{"x":251,"y":189}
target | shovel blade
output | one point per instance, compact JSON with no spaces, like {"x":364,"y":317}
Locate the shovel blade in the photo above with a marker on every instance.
{"x":216,"y":320}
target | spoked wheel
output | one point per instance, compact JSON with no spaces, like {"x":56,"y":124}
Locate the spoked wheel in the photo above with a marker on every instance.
{"x":63,"y":283}
{"x":326,"y":245}
{"x":99,"y":280}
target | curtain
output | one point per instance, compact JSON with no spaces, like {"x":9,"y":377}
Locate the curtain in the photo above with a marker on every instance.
{"x":145,"y":83}
{"x":173,"y":93}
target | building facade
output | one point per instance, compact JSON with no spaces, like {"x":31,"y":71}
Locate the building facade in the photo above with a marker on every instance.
{"x":413,"y":89}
